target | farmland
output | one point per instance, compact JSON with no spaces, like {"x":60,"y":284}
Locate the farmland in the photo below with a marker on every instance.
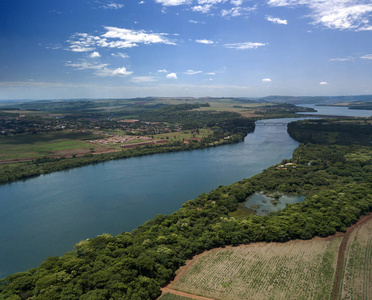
{"x":356,"y":269}
{"x":58,"y":142}
{"x":301,"y":270}
{"x":292,"y":270}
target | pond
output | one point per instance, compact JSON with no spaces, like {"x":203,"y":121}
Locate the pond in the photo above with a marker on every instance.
{"x":264,"y":204}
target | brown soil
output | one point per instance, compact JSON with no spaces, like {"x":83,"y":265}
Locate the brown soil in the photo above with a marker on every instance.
{"x":168,"y":290}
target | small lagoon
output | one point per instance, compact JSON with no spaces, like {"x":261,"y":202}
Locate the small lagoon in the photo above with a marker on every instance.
{"x":263,"y":204}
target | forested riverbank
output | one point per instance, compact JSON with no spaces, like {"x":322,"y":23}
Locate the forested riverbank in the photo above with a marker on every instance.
{"x":335,"y":179}
{"x":231,"y":129}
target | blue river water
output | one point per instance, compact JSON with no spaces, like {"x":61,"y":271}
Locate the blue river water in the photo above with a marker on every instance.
{"x":47,"y":215}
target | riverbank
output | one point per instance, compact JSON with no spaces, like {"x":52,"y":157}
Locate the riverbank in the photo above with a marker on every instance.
{"x":13,"y":171}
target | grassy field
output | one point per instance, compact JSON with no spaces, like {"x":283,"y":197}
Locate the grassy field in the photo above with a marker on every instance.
{"x":24,"y":146}
{"x":294,"y":270}
{"x":357,"y":266}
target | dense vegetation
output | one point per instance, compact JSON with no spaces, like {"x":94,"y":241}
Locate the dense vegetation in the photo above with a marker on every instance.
{"x":336,"y":179}
{"x":343,"y":132}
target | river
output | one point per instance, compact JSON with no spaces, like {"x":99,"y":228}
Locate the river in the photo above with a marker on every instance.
{"x":47,"y":215}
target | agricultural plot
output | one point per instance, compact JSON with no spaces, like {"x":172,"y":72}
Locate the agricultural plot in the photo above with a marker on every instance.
{"x":23,"y":146}
{"x":356,"y":273}
{"x":294,"y":270}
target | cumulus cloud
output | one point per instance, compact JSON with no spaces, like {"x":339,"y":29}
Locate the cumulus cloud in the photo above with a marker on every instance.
{"x":115,"y":37}
{"x":163,"y":71}
{"x":173,"y":2}
{"x":266,"y":80}
{"x":343,"y":59}
{"x":367,"y":56}
{"x":192,"y":72}
{"x":237,"y":2}
{"x":207,"y":42}
{"x":237,"y":11}
{"x":324,"y":83}
{"x":120,"y":54}
{"x":196,"y":22}
{"x":335,"y":14}
{"x":95,"y":54}
{"x":128,"y":38}
{"x":113,"y":6}
{"x":245,"y":46}
{"x":276,"y":20}
{"x":113,"y":72}
{"x":171,"y":76}
{"x":141,"y":79}
{"x":202,"y":8}
{"x":101,"y":69}
{"x":81,"y":42}
{"x":84,"y":65}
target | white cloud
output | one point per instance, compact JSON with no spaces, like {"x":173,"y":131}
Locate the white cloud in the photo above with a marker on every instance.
{"x":237,"y":2}
{"x":95,"y":54}
{"x":192,"y":72}
{"x":131,"y":38}
{"x":324,"y":83}
{"x":237,"y":11}
{"x":173,"y":2}
{"x":335,"y":14}
{"x":207,"y":42}
{"x":84,"y":65}
{"x":276,"y":20}
{"x":141,"y":79}
{"x":367,"y":56}
{"x":343,"y":59}
{"x":196,"y":22}
{"x":113,"y":6}
{"x":171,"y":76}
{"x":113,"y":72}
{"x":82,"y":42}
{"x":245,"y":46}
{"x":202,"y":8}
{"x":211,"y":73}
{"x":120,"y":54}
{"x":163,"y":71}
{"x":141,"y":2}
{"x":266,"y":80}
{"x":116,"y":38}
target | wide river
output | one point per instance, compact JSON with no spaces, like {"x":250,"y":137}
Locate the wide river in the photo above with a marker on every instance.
{"x":45,"y":216}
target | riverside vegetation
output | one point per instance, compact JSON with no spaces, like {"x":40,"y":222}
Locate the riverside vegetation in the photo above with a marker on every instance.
{"x":41,"y":137}
{"x":336,"y":180}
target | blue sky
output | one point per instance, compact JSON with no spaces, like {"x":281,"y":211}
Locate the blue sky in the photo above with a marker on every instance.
{"x":57,"y":49}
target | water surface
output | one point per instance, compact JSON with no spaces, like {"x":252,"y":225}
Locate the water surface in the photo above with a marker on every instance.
{"x":263,"y":204}
{"x":47,"y":215}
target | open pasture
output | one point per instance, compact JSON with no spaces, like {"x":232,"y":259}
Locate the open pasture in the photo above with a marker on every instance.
{"x":39,"y":145}
{"x":293,"y":270}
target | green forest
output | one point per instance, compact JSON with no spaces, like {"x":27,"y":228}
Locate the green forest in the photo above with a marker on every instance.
{"x":336,"y":180}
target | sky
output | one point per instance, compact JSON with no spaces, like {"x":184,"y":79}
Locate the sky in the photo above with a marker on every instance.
{"x":60,"y":49}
